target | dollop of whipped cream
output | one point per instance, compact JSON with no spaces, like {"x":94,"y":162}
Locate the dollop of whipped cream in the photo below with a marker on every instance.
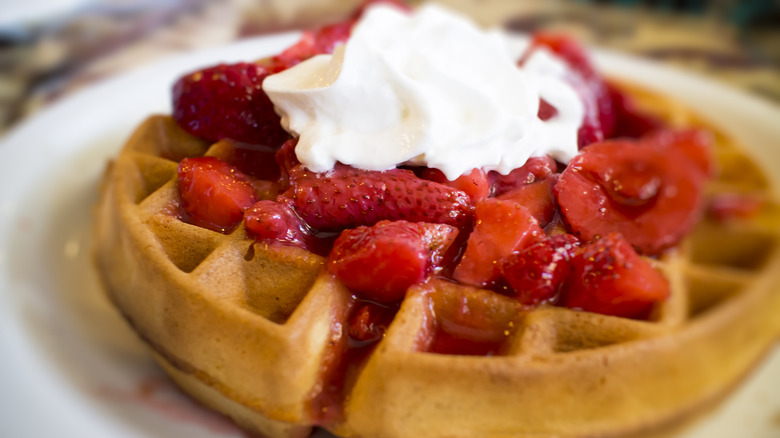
{"x":428,"y":88}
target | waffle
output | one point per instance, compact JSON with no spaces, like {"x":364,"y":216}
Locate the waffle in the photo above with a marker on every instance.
{"x":253,"y":330}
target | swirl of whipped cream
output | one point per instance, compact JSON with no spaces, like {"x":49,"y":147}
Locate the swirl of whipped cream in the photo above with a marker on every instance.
{"x":431,"y":89}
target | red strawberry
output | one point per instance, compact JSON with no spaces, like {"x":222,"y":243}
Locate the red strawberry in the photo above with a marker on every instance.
{"x":537,"y":272}
{"x":286,"y":160}
{"x":271,"y":221}
{"x":214,"y":194}
{"x":475,"y":183}
{"x":255,"y":160}
{"x":501,"y":227}
{"x":347,"y":197}
{"x":599,"y":120}
{"x":369,"y":321}
{"x":227,"y":101}
{"x":630,"y":121}
{"x":651,"y":196}
{"x":695,"y":144}
{"x":608,"y":277}
{"x":536,"y":168}
{"x":725,"y":207}
{"x":382,"y":261}
{"x":537,"y":197}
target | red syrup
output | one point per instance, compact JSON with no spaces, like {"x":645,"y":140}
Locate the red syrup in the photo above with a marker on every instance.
{"x":355,"y":332}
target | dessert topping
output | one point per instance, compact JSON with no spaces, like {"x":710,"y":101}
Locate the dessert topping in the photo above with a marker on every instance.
{"x":425,"y":89}
{"x":213,"y":193}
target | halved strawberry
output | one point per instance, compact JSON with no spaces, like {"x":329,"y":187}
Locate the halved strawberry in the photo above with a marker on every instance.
{"x":475,"y":183}
{"x":382,"y":261}
{"x":537,"y":197}
{"x":369,"y":321}
{"x":227,"y":101}
{"x":347,"y":197}
{"x":652,"y":196}
{"x":535,"y":169}
{"x":271,"y":221}
{"x":214,"y":194}
{"x":537,"y":272}
{"x":501,"y":227}
{"x":610,"y":278}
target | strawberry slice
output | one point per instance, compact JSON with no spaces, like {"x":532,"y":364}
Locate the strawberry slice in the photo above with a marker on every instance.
{"x":273,"y":222}
{"x":501,"y":227}
{"x":369,"y":322}
{"x":652,"y":196}
{"x":475,"y":183}
{"x":727,"y":207}
{"x":537,"y":272}
{"x":695,"y":144}
{"x":227,"y":101}
{"x":535,"y":169}
{"x":347,"y":197}
{"x":599,"y":120}
{"x":537,"y":197}
{"x":382,"y":261}
{"x":213,"y":193}
{"x":610,"y":278}
{"x":254,"y":160}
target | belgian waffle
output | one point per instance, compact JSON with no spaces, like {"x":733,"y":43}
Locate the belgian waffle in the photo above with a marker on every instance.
{"x":252,"y":329}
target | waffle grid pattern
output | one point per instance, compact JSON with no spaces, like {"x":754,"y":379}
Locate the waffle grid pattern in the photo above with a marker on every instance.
{"x":247,"y":328}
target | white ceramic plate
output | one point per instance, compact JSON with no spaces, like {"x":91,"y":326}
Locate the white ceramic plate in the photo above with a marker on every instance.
{"x":69,"y":366}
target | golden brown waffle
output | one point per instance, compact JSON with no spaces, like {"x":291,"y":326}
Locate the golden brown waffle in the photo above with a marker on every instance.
{"x":248,"y":328}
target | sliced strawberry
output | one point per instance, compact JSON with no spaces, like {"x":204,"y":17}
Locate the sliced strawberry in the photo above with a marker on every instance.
{"x":227,"y":101}
{"x":599,"y":120}
{"x":695,"y":144}
{"x":369,"y":321}
{"x":630,"y":121}
{"x":286,"y":160}
{"x":501,"y":227}
{"x":536,"y":168}
{"x":273,"y":222}
{"x":537,"y":272}
{"x":726,"y":207}
{"x":537,"y":197}
{"x":382,"y":261}
{"x":608,"y":277}
{"x":255,"y":160}
{"x":214,"y":194}
{"x":475,"y":183}
{"x":347,"y":197}
{"x":649,"y":195}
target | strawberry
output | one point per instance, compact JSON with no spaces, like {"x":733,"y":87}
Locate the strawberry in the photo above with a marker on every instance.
{"x":475,"y":183}
{"x":347,"y":197}
{"x":599,"y":119}
{"x":536,"y":168}
{"x":501,"y":227}
{"x":610,"y":278}
{"x":255,"y":160}
{"x":652,"y":196}
{"x":630,"y":121}
{"x":227,"y":101}
{"x":538,"y":197}
{"x":725,"y":207}
{"x":695,"y":144}
{"x":382,"y":261}
{"x":274,"y":222}
{"x":369,"y":321}
{"x":214,"y":194}
{"x":286,"y":160}
{"x":537,"y":272}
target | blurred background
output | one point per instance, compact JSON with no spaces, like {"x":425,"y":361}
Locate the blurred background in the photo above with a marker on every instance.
{"x":50,"y":48}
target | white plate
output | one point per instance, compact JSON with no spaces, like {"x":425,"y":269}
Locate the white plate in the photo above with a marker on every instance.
{"x":70,"y":367}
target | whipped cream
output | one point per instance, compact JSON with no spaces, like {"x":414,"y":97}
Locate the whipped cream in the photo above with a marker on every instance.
{"x":431,"y":89}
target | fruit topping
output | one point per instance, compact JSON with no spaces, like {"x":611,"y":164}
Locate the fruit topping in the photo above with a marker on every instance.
{"x":475,"y":183}
{"x":537,"y":272}
{"x":695,"y":144}
{"x":348,"y":197}
{"x":630,"y":121}
{"x":535,"y":169}
{"x":652,"y":195}
{"x":609,"y":277}
{"x":271,"y":221}
{"x":599,"y":119}
{"x":369,"y":321}
{"x":501,"y":227}
{"x":382,"y":261}
{"x":726,"y":207}
{"x":213,"y":193}
{"x":254,"y":160}
{"x":537,"y":197}
{"x":227,"y":101}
